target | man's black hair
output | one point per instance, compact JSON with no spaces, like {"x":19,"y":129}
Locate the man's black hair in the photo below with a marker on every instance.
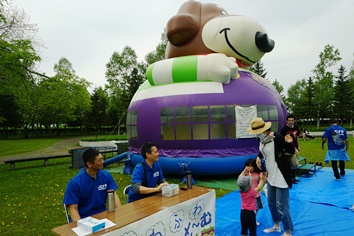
{"x":290,"y":116}
{"x":333,"y":121}
{"x":90,"y":155}
{"x":146,"y":148}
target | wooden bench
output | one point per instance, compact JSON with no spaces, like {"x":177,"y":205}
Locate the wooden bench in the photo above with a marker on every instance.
{"x":45,"y":158}
{"x":103,"y":150}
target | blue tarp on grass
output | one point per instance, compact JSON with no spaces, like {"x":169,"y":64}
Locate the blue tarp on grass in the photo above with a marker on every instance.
{"x":319,"y":205}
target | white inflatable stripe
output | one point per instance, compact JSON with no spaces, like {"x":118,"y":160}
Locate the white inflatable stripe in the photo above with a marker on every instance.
{"x":178,"y":89}
{"x":162,"y":72}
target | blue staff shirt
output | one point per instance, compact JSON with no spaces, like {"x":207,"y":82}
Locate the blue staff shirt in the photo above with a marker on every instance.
{"x":154,"y":176}
{"x":328,"y":134}
{"x":88,"y":193}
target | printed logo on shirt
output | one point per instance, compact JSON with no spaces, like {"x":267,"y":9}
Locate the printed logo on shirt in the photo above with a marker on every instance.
{"x":102,"y":187}
{"x":339,"y":131}
{"x":156,"y":174}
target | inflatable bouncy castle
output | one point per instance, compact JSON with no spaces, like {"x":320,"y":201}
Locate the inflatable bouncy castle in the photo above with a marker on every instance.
{"x":197,"y":103}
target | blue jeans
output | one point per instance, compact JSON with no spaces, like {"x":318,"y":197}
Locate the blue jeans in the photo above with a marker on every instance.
{"x":278,"y":202}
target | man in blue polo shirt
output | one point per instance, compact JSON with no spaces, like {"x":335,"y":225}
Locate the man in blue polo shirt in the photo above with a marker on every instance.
{"x":336,"y":152}
{"x":86,"y":193}
{"x":147,"y":177}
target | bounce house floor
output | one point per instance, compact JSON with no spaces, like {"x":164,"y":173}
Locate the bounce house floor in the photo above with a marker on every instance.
{"x":319,"y":205}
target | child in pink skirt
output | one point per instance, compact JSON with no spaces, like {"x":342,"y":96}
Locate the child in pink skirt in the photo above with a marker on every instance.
{"x":251,"y":167}
{"x":248,"y":201}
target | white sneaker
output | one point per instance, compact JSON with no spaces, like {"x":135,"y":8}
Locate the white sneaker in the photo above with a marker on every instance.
{"x":271,"y":230}
{"x":352,"y":208}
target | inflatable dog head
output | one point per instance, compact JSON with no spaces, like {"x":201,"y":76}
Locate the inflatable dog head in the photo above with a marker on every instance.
{"x":203,"y":28}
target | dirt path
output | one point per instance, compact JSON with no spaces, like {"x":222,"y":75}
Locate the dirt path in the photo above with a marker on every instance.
{"x":59,"y":148}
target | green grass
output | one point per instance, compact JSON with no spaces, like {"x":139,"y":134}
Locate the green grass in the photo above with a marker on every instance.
{"x":313,"y":152}
{"x":12,"y":147}
{"x":18,"y":146}
{"x":31,"y":195}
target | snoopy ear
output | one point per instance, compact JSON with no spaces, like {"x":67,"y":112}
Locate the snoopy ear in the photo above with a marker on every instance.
{"x":181,"y":29}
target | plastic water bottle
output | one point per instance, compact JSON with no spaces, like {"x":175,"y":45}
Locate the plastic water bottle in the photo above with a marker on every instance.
{"x":110,"y":201}
{"x":189,"y":179}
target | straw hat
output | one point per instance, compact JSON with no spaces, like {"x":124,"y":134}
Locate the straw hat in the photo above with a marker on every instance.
{"x":258,"y":126}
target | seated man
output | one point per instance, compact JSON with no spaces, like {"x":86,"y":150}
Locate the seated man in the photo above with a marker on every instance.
{"x":86,"y":193}
{"x":147,"y":174}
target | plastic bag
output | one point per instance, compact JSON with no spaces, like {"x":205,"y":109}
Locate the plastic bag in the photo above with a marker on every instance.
{"x":292,"y":158}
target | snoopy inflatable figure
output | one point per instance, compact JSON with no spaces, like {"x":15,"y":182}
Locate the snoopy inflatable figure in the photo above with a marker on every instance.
{"x":197,"y":103}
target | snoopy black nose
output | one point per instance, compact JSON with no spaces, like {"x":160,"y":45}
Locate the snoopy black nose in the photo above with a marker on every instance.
{"x":263,"y":42}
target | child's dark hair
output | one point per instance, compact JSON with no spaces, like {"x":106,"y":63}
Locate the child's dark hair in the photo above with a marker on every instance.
{"x":252,"y":162}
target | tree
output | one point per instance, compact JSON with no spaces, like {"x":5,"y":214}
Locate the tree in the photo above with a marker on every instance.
{"x":279,"y":88}
{"x":61,"y":95}
{"x":9,"y":112}
{"x":309,"y":98}
{"x":97,"y":116}
{"x":117,"y":107}
{"x":2,"y":16}
{"x":323,"y":81}
{"x":296,"y":99}
{"x":351,"y":98}
{"x":159,"y":53}
{"x":259,"y":69}
{"x":18,"y":56}
{"x":342,"y":91}
{"x":124,"y":75}
{"x":120,"y":66}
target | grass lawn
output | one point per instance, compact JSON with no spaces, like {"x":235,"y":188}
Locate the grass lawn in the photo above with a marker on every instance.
{"x":12,"y":147}
{"x":31,"y":195}
{"x":313,"y":152}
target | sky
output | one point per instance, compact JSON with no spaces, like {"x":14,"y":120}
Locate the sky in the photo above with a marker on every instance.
{"x":87,"y":32}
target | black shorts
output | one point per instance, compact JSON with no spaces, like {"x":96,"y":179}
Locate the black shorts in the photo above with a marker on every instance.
{"x":248,"y":222}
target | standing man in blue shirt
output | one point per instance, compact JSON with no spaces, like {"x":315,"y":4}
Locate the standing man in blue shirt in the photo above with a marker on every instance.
{"x":147,"y":177}
{"x":86,"y":193}
{"x":336,"y":152}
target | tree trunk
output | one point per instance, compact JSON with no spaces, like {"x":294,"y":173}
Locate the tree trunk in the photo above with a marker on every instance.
{"x":5,"y":134}
{"x":57,"y":129}
{"x":25,"y":131}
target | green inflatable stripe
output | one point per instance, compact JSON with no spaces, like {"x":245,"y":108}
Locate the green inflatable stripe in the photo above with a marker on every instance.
{"x":149,"y":74}
{"x":184,"y":69}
